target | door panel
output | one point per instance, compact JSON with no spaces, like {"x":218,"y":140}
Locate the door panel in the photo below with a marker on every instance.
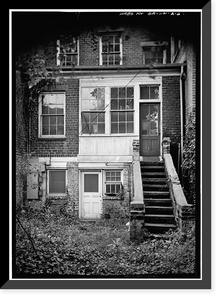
{"x":91,"y":195}
{"x":150,"y":129}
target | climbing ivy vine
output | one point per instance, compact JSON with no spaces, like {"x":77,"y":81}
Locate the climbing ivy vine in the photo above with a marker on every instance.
{"x":189,"y":155}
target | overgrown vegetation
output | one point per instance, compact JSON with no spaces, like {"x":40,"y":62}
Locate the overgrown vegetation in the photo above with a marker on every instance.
{"x":189,"y":162}
{"x":64,"y":246}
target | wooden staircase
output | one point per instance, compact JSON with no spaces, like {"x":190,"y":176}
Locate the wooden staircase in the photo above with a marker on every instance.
{"x":159,"y":214}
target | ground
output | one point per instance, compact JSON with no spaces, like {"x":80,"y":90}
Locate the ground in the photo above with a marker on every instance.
{"x":60,"y":245}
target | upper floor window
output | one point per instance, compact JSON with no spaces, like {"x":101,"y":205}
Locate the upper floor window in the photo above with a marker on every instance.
{"x":154,"y":52}
{"x":153,"y":55}
{"x":68,"y":51}
{"x":52,"y":115}
{"x":110,"y":49}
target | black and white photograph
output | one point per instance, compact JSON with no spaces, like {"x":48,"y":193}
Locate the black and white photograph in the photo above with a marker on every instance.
{"x":107,"y":110}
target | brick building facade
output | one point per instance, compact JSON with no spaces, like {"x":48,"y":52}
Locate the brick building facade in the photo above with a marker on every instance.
{"x":114,"y":84}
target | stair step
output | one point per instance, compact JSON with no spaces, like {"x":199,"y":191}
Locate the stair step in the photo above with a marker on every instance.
{"x":152,"y":163}
{"x":159,"y":226}
{"x":168,"y":219}
{"x":154,"y":180}
{"x":159,"y":209}
{"x":154,"y":174}
{"x":155,"y":187}
{"x":155,"y":194}
{"x":155,"y":202}
{"x":152,"y":167}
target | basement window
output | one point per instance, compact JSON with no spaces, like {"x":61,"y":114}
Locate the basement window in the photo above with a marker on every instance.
{"x":113,"y":184}
{"x":57,"y":182}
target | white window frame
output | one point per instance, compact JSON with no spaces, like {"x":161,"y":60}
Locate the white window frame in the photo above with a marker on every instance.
{"x":40,"y":117}
{"x":113,"y":182}
{"x":91,"y":111}
{"x":100,"y":48}
{"x":58,"y":61}
{"x":56,"y":194}
{"x":124,"y":110}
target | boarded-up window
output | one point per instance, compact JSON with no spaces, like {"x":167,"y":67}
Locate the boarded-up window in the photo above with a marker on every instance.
{"x":57,"y":181}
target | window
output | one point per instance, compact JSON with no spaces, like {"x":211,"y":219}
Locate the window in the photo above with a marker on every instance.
{"x":153,"y":54}
{"x":67,"y":51}
{"x":110,"y":50}
{"x":122,"y":110}
{"x":52,"y":115}
{"x":149,"y":92}
{"x":113,"y":182}
{"x":57,"y":182}
{"x":93,"y":114}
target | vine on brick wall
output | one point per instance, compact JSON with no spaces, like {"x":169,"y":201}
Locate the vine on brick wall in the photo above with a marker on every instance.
{"x":189,"y":159}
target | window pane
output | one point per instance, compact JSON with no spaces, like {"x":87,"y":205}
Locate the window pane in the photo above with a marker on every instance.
{"x":45,"y":107}
{"x":154,"y":92}
{"x":101,"y":118}
{"x":129,"y":104}
{"x":85,"y":104}
{"x":130,"y":116}
{"x":122,"y":116}
{"x":122,"y":128}
{"x":113,"y":190}
{"x":114,"y":117}
{"x":130,"y":92}
{"x":114,"y":92}
{"x":114,"y":104}
{"x":60,"y":129}
{"x":130,"y":127}
{"x":45,"y":130}
{"x":144,"y":92}
{"x":122,"y":93}
{"x":52,"y":104}
{"x":122,"y":103}
{"x":114,"y":127}
{"x":52,"y":120}
{"x":52,"y":130}
{"x":57,"y":182}
{"x":91,"y":183}
{"x":108,"y":189}
{"x":60,"y":120}
{"x":45,"y":120}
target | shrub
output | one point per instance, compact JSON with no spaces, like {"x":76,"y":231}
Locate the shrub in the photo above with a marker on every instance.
{"x":189,"y":159}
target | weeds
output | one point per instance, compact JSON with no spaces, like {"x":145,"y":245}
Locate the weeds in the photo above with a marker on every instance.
{"x":66,"y":246}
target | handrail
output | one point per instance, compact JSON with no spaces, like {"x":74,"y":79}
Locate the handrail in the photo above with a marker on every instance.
{"x":137,"y":183}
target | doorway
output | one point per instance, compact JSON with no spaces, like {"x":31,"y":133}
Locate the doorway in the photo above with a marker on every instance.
{"x":150,"y":129}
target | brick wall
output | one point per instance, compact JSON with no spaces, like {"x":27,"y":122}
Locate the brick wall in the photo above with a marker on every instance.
{"x":68,"y":146}
{"x":20,"y":138}
{"x":131,"y":39}
{"x":171,"y":108}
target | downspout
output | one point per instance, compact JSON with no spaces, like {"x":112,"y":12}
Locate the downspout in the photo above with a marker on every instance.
{"x":181,"y":118}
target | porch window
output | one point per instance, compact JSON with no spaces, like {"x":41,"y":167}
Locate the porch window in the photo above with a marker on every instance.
{"x":57,"y":182}
{"x":52,"y":115}
{"x":113,"y":182}
{"x":67,"y":51}
{"x":92,"y":110}
{"x":122,"y":110}
{"x":110,"y":49}
{"x":149,"y":92}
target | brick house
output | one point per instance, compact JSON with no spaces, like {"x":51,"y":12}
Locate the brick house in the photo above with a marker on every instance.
{"x":116,"y":85}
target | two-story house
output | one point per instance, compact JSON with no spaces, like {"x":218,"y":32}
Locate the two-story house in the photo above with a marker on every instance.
{"x":116,"y":84}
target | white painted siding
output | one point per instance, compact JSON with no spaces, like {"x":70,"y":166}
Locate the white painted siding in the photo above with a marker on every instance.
{"x":106,"y":145}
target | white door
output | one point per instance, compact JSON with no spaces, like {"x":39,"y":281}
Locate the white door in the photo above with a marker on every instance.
{"x":91,"y":195}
